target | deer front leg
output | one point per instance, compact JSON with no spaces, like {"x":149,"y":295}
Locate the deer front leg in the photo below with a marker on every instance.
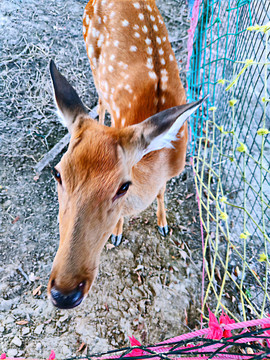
{"x":161,"y":213}
{"x":116,"y":236}
{"x":101,"y":111}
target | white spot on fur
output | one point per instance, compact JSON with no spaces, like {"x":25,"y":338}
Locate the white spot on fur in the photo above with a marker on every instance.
{"x":90,"y":51}
{"x":171,"y":57}
{"x":141,"y":17}
{"x":87,"y":19}
{"x":129,"y":105}
{"x":158,"y":40}
{"x":144,"y":29}
{"x":152,"y":18}
{"x":100,"y":41}
{"x":149,"y":51}
{"x":110,"y":68}
{"x":164,"y":86}
{"x":117,"y":110}
{"x":148,"y":41}
{"x":123,"y":122}
{"x":106,"y":86}
{"x":105,"y":19}
{"x":133,"y":48}
{"x":110,"y":5}
{"x":125,"y":23}
{"x":149,"y":63}
{"x":163,"y":100}
{"x":136,"y":5}
{"x":128,"y":88}
{"x":137,"y":35}
{"x":99,"y":19}
{"x":123,"y":65}
{"x":112,"y":57}
{"x":155,"y":27}
{"x":94,"y":60}
{"x":164,"y":38}
{"x":162,"y":61}
{"x":112,"y":14}
{"x":160,"y":20}
{"x":161,"y":51}
{"x":182,"y":133}
{"x":149,"y":8}
{"x":152,"y":75}
{"x":102,"y":61}
{"x":103,"y":2}
{"x":116,"y":43}
{"x":95,"y":32}
{"x":112,"y":90}
{"x":136,"y":27}
{"x":84,"y":30}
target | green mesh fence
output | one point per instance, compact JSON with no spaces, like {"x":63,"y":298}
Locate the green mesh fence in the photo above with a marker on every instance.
{"x":230,"y":144}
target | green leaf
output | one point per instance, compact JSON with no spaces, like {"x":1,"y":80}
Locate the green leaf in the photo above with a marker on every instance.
{"x":262,"y":257}
{"x":263,"y":131}
{"x":242,"y":148}
{"x":232,"y":102}
{"x":223,"y":216}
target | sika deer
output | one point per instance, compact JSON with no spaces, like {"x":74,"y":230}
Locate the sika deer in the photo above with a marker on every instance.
{"x":111,"y":172}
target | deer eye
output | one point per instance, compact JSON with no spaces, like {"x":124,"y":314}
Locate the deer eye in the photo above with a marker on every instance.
{"x":122,"y":190}
{"x":57,"y":175}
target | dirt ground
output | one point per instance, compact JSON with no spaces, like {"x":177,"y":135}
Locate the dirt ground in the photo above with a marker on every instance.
{"x":149,"y":287}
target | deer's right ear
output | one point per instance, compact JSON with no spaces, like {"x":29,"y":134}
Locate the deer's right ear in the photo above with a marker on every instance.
{"x":68,"y":103}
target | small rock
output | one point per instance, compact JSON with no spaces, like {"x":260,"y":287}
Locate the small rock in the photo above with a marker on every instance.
{"x":39,"y":329}
{"x":64,"y":318}
{"x":25,"y":330}
{"x":2,"y":329}
{"x":5,"y":305}
{"x":38,"y":346}
{"x":7,"y":203}
{"x":12,"y":353}
{"x":50,"y":330}
{"x":65,"y":350}
{"x":9,"y":320}
{"x":17,"y":341}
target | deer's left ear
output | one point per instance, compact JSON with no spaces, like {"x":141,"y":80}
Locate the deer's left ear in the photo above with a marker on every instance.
{"x":67,"y":100}
{"x":158,"y":131}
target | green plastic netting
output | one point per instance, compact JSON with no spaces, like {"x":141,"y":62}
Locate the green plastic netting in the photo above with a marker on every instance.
{"x":230,"y":146}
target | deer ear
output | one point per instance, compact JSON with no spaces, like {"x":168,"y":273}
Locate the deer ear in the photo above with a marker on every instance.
{"x":68,"y":103}
{"x":158,"y":131}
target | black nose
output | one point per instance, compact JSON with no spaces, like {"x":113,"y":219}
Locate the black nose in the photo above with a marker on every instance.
{"x":67,"y":300}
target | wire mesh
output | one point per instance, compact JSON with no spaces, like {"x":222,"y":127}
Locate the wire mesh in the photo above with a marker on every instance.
{"x":231,"y":153}
{"x":249,"y":344}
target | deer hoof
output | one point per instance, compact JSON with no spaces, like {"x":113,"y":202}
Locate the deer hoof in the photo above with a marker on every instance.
{"x":163,"y":230}
{"x":116,"y":239}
